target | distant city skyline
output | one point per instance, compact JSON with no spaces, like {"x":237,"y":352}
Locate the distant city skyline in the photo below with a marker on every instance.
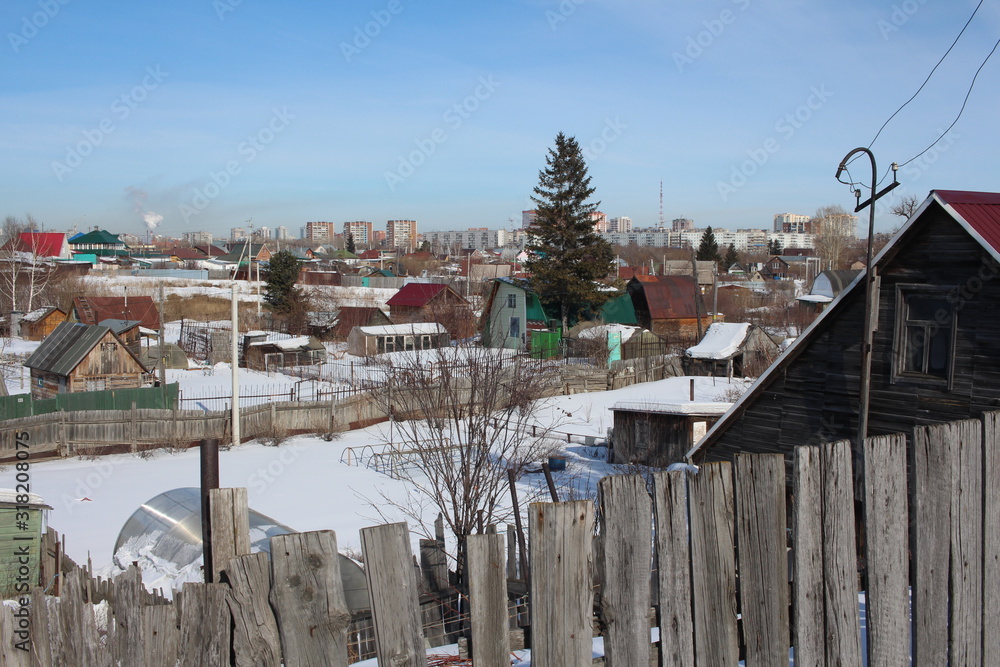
{"x":393,"y":110}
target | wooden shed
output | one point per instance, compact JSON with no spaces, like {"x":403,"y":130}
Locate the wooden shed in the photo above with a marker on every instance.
{"x":432,"y":302}
{"x":659,"y":434}
{"x":666,"y":305}
{"x":731,"y":349}
{"x":83,"y":357}
{"x":265,"y":354}
{"x":369,"y":341}
{"x":21,"y":528}
{"x":40,"y":322}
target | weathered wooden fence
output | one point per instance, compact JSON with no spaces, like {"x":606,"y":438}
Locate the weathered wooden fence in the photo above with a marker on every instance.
{"x":733,"y":579}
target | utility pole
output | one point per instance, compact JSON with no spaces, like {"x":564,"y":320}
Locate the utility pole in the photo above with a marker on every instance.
{"x":235,"y":336}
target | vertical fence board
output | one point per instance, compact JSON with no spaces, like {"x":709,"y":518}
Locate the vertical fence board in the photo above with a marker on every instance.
{"x":9,"y":655}
{"x":488,"y":592}
{"x":162,"y":636}
{"x":886,"y":539}
{"x":41,"y":640}
{"x":932,"y":537}
{"x":126,"y":606}
{"x":230,"y":526}
{"x":807,"y":553}
{"x":840,"y":561}
{"x":204,"y":626}
{"x":991,"y":539}
{"x":673,"y":553}
{"x":308,"y":599}
{"x":561,"y":582}
{"x":966,"y":543}
{"x":763,"y":557}
{"x":255,"y":630}
{"x":78,"y":628}
{"x":392,"y":591}
{"x":714,"y":578}
{"x":626,"y":523}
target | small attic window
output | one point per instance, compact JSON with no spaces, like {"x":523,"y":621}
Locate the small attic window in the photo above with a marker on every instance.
{"x":926,"y":325}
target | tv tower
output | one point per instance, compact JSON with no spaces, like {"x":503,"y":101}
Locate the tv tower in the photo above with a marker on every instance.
{"x":661,"y":203}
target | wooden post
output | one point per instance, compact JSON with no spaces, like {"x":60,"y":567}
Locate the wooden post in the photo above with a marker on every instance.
{"x":126,"y":604}
{"x":488,"y":593}
{"x":932,"y":526}
{"x":763,"y":557}
{"x":392,"y":591}
{"x":561,"y":582}
{"x":626,"y":513}
{"x":307,"y":594}
{"x":887,"y":550}
{"x":966,"y":542}
{"x":10,"y":656}
{"x":511,"y":552}
{"x":807,"y":552}
{"x":133,"y":439}
{"x":256,"y":642}
{"x":204,"y":623}
{"x":159,"y":624}
{"x":991,"y":538}
{"x":230,"y":525}
{"x":673,"y":552}
{"x":714,"y":580}
{"x":840,"y":562}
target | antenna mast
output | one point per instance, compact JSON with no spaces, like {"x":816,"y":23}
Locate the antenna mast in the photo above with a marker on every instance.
{"x":661,"y":203}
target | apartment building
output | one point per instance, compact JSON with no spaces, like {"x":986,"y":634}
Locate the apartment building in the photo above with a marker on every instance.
{"x":320,"y":232}
{"x":361,"y":231}
{"x":401,"y":234}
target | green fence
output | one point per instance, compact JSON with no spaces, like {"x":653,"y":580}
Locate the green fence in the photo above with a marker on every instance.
{"x":22,"y":405}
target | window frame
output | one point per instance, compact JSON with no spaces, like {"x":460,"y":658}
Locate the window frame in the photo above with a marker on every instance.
{"x":902,"y":375}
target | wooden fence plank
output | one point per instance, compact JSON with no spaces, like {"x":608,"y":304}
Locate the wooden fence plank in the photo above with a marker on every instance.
{"x":807,"y":553}
{"x":488,"y":593}
{"x":714,"y":580}
{"x":840,"y":561}
{"x":763,"y":557}
{"x":308,"y":599}
{"x":991,"y":538}
{"x":126,"y":607}
{"x":932,"y":538}
{"x":230,"y":526}
{"x":561,"y":582}
{"x":255,"y":630}
{"x":887,"y":548}
{"x":204,"y":626}
{"x":41,"y":638}
{"x":162,"y":636}
{"x":81,"y":646}
{"x":626,"y":523}
{"x":966,"y":542}
{"x":673,"y":553}
{"x":10,"y":655}
{"x":392,"y":590}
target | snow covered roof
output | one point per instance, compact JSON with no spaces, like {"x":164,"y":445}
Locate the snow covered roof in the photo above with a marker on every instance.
{"x":9,"y":497}
{"x":286,"y":344}
{"x":38,"y":313}
{"x":694,"y":409}
{"x":414,"y":329}
{"x":721,"y":341}
{"x":601,"y":331}
{"x":815,"y":298}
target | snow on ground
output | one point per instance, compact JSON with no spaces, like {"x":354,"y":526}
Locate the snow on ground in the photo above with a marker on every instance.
{"x":13,"y":351}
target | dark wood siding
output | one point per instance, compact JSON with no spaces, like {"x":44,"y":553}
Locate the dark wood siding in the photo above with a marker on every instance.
{"x":814,"y":397}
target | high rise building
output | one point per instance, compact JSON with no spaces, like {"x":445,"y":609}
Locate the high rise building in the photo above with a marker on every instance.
{"x":600,"y":221}
{"x":281,"y":233}
{"x":361,"y":230}
{"x":528,"y":218}
{"x":199,"y":238}
{"x":682,"y":225}
{"x":622,"y":224}
{"x":792,"y":223}
{"x":237,"y":234}
{"x":320,"y":232}
{"x":262,"y":233}
{"x":401,"y":234}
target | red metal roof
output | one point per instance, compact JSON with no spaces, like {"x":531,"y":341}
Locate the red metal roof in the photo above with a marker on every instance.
{"x":43,"y":244}
{"x":94,"y":309}
{"x":669,"y":297}
{"x":981,"y":210}
{"x":416,"y":294}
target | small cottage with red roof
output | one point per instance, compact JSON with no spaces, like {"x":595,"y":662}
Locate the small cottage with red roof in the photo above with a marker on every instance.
{"x":42,"y":244}
{"x":934,"y":353}
{"x":96,"y":309}
{"x":432,"y":302}
{"x":666,"y":305}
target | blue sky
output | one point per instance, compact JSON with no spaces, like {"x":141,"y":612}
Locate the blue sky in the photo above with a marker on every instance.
{"x":209,"y":113}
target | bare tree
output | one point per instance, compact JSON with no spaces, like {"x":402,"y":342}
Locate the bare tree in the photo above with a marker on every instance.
{"x":833,"y":228}
{"x":460,"y":418}
{"x":906,"y":206}
{"x":24,"y":272}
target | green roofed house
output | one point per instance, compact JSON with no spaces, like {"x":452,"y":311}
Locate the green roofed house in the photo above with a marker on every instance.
{"x":99,"y":242}
{"x":512,"y":311}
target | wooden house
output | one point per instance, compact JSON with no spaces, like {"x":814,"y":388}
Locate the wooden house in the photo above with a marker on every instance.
{"x":262,"y":353}
{"x":731,"y":349}
{"x":338,"y":324}
{"x":776,"y":268}
{"x":511,"y":311}
{"x":83,"y":357}
{"x":657,"y":435}
{"x":23,"y":519}
{"x":666,"y":306}
{"x":369,"y":341}
{"x":40,"y":322}
{"x":94,"y":309}
{"x":432,"y":302}
{"x":934,"y":352}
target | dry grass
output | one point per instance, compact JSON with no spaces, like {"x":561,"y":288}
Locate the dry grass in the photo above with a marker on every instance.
{"x":205,"y":308}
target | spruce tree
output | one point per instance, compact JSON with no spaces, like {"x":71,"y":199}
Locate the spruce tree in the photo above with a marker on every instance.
{"x":732,"y":257}
{"x":282,"y":274}
{"x":708,"y":249}
{"x":774,"y":247}
{"x":349,"y":244}
{"x":567,"y":255}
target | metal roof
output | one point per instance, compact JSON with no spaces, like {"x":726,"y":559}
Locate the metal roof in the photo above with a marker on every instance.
{"x":416,"y":294}
{"x":65,"y":348}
